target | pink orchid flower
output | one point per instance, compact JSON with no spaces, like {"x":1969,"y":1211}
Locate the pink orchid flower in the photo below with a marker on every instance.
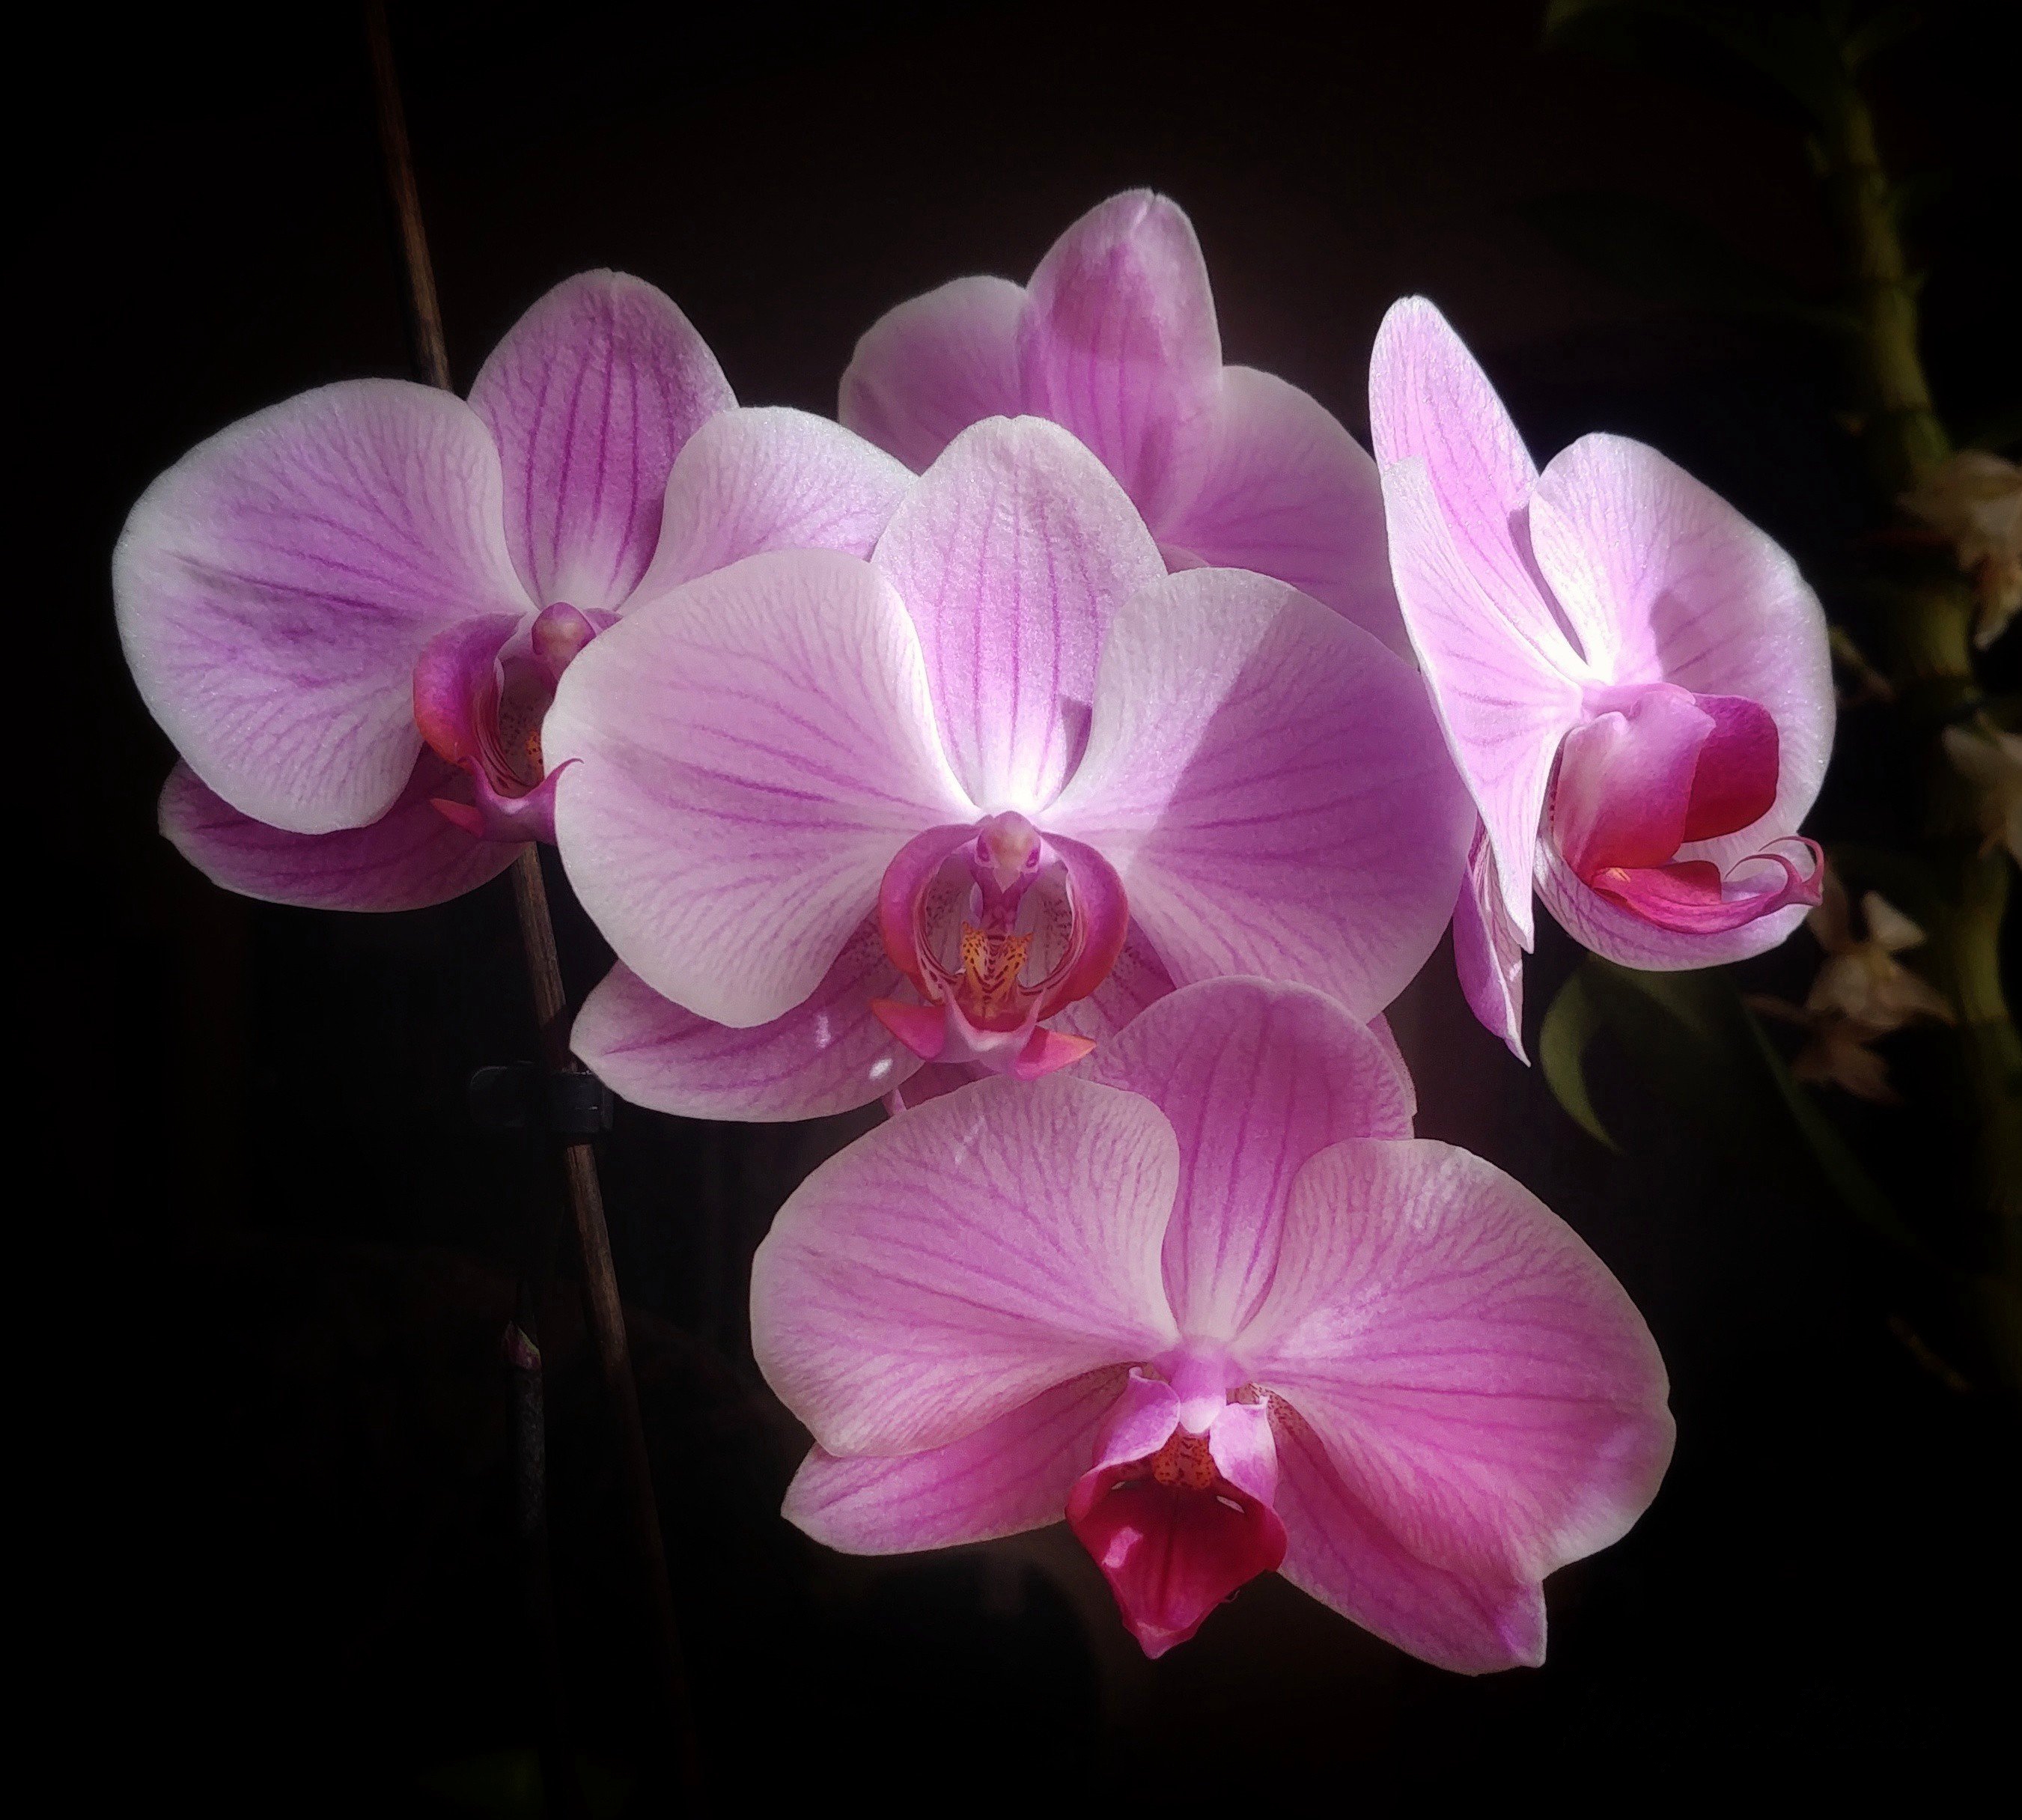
{"x":1209,"y":1300}
{"x":1115,"y":339}
{"x":350,"y":611}
{"x":976,"y":800}
{"x":1633,"y":680}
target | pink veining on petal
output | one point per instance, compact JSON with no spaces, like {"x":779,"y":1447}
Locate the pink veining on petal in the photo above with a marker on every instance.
{"x":755,"y":748}
{"x":829,"y":1054}
{"x":590,"y":396}
{"x":925,"y":371}
{"x":1012,"y":1474}
{"x":1270,"y":784}
{"x":1481,"y":1384}
{"x":408,"y":859}
{"x":956,"y":1262}
{"x":1119,"y":341}
{"x":274,"y":586}
{"x":1488,"y":953}
{"x":1012,"y":554}
{"x":1256,"y":1078}
{"x":1339,"y":1551}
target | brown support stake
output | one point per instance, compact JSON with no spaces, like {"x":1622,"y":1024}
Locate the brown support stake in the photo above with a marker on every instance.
{"x":537,"y":936}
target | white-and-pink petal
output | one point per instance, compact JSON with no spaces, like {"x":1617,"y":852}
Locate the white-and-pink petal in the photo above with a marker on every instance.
{"x":756,"y":480}
{"x":825,"y":1055}
{"x":1505,"y":698}
{"x":1480,"y":1382}
{"x":926,"y":370}
{"x":1118,"y":342}
{"x":412,"y":857}
{"x":1665,"y":582}
{"x":1012,"y":554}
{"x":1270,"y":784}
{"x":1282,"y":488}
{"x":957,"y":1262}
{"x":743,"y":758}
{"x":591,"y":394}
{"x":274,"y":586}
{"x":1012,"y":1474}
{"x":1255,"y":1079}
{"x":1337,"y":1549}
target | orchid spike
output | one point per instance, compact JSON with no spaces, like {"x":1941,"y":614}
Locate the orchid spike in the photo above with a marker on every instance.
{"x":1209,"y":1300}
{"x":974,"y":802}
{"x":1634,"y":681}
{"x":350,"y":611}
{"x":1115,"y":339}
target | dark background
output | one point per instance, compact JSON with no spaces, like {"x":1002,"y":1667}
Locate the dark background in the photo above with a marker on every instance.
{"x":275,"y":1472}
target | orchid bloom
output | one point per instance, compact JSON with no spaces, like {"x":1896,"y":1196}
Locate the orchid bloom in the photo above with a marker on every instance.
{"x":350,"y":611}
{"x":1115,"y":339}
{"x":978,"y":799}
{"x":1210,"y":1301}
{"x":1634,"y":681}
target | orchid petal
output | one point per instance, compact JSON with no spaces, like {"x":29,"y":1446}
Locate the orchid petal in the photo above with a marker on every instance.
{"x":1488,"y":954}
{"x":408,"y":859}
{"x":928,"y":369}
{"x":750,"y":751}
{"x":591,"y":394}
{"x":1012,"y":1474}
{"x":1284,"y":490}
{"x":1338,"y":1551}
{"x":1270,"y":783}
{"x":1428,"y":400}
{"x":1504,"y":699}
{"x":827,"y":1054}
{"x":1669,"y":583}
{"x":1480,"y":1382}
{"x":750,"y":480}
{"x":1012,"y":554}
{"x":1255,"y":1078}
{"x":1119,"y":341}
{"x":956,"y":1261}
{"x":274,"y":587}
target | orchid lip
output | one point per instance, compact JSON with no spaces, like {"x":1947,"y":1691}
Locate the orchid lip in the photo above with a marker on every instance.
{"x":1179,"y":1518}
{"x":481,"y":690}
{"x":1655,"y":770}
{"x":997,"y":927}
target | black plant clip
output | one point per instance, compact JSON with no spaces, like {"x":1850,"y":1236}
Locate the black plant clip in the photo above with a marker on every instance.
{"x":517,"y":1096}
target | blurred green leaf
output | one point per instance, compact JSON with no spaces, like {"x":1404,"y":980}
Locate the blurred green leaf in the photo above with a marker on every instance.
{"x":1571,"y":1024}
{"x":1856,"y":1188}
{"x":1699,"y":1048}
{"x":508,"y":1784}
{"x":1665,"y":253}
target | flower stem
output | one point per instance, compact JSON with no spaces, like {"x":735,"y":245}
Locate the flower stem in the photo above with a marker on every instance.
{"x":1929,"y":655}
{"x":585,"y":1196}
